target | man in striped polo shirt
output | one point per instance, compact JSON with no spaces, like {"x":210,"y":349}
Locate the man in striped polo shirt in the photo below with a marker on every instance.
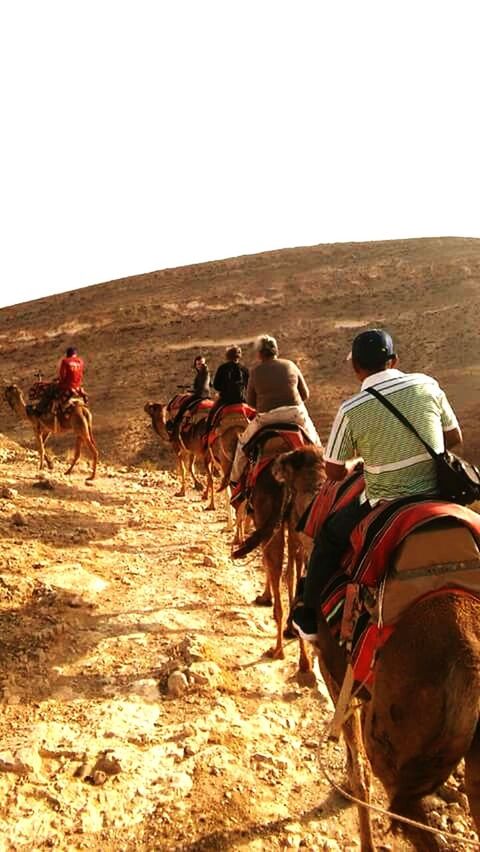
{"x":395,"y":462}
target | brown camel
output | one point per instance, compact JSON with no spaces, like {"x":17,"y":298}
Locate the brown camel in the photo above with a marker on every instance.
{"x":188,"y":447}
{"x":273,"y":525}
{"x":422,"y":716}
{"x":77,"y":418}
{"x":221,"y":451}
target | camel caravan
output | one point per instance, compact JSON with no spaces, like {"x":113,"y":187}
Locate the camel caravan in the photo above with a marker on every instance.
{"x":382,"y":558}
{"x":373,"y":534}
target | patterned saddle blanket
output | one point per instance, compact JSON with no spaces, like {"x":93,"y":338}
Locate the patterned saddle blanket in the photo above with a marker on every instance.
{"x":400,"y":553}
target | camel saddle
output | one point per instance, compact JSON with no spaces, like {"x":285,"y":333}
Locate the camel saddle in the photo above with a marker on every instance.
{"x":227,"y":417}
{"x":262,"y":448}
{"x":196,"y":414}
{"x":402,"y":552}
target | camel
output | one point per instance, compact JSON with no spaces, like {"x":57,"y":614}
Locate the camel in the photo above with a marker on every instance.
{"x":188,"y":448}
{"x":422,"y":716}
{"x":77,"y":418}
{"x":221,"y":451}
{"x":273,"y":524}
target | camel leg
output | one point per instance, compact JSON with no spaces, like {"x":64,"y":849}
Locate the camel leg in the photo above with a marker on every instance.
{"x":209,"y":488}
{"x":196,"y":482}
{"x":291,"y":579}
{"x":228,"y":509}
{"x":273,"y":561}
{"x":40,"y":447}
{"x":183,"y":475}
{"x":94,"y":454}
{"x":48,"y":459}
{"x":92,"y":446}
{"x":360,"y":778}
{"x":76,"y":454}
{"x":265,"y":599}
{"x":472,"y":778}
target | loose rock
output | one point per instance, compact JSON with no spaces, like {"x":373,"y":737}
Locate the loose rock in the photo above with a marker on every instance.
{"x":177,"y":684}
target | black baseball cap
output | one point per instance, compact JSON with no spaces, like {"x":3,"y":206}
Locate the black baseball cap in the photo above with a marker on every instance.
{"x":372,"y":348}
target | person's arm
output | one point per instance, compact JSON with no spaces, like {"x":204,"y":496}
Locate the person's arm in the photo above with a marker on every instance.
{"x":218,"y":380}
{"x":452,"y":437}
{"x":452,"y":433}
{"x":251,"y":392}
{"x":302,"y":387}
{"x":340,"y":458}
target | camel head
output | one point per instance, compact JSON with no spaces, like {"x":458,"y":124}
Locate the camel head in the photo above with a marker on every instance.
{"x":13,"y":396}
{"x":158,"y":413}
{"x":302,"y":469}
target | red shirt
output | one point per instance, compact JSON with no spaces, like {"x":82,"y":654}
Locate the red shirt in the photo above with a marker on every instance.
{"x":71,"y":373}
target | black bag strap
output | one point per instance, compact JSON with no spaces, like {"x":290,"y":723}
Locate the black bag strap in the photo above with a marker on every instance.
{"x":398,"y":414}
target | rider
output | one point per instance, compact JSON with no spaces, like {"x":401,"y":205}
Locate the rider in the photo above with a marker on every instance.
{"x":395,"y":462}
{"x":70,"y":374}
{"x":230,"y":382}
{"x":277,"y":389}
{"x":66,"y":384}
{"x":200,"y":390}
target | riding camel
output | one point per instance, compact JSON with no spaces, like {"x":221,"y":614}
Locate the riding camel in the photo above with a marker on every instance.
{"x":228,"y":425}
{"x":189,"y":447}
{"x":422,"y":716}
{"x":273,"y":529}
{"x":77,"y":418}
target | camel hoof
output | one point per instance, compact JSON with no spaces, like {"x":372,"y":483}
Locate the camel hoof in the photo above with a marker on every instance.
{"x":209,"y":508}
{"x":306,"y":678}
{"x":89,"y":481}
{"x":263,"y":600}
{"x":68,"y":472}
{"x":179,"y":494}
{"x":275,"y":654}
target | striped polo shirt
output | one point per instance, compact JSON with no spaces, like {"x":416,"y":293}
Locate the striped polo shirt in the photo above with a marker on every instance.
{"x":396,"y":463}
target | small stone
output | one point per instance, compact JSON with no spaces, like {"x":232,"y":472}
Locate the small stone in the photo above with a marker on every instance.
{"x":177,"y":684}
{"x":99,"y":777}
{"x":208,"y":562}
{"x":19,"y":520}
{"x":9,"y":493}
{"x":205,"y":673}
{"x":44,"y":485}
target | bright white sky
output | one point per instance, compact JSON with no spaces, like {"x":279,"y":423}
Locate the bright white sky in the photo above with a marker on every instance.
{"x":142,"y":135}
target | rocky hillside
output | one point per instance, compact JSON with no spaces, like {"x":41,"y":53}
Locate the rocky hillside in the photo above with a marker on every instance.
{"x":139,"y":335}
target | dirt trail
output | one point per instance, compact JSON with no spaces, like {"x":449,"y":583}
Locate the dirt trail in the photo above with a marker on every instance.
{"x":105,"y":592}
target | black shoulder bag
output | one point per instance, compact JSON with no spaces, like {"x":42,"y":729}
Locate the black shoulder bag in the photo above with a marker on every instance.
{"x":458,"y":480}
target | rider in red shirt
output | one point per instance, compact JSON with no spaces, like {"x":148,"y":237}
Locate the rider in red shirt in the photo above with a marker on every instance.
{"x":70,"y":372}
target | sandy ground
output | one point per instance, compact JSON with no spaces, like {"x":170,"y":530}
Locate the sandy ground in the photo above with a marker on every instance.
{"x":105,"y":592}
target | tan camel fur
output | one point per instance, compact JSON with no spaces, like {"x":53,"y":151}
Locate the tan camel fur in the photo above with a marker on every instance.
{"x":188,"y":447}
{"x":77,"y":418}
{"x":272,"y":524}
{"x":423,"y":714}
{"x":221,"y":451}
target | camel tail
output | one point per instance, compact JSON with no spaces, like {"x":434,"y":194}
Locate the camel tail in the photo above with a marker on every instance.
{"x":262,"y":535}
{"x":258,"y":537}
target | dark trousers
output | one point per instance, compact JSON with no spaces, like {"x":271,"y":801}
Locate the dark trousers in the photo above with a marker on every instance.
{"x":329,"y":547}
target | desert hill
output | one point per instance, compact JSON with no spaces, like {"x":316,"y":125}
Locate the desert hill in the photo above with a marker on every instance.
{"x":139,"y":335}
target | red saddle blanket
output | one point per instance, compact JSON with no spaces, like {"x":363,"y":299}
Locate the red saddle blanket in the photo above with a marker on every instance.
{"x":373,"y":545}
{"x":294,"y":440}
{"x":230,"y":415}
{"x":235,"y":408}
